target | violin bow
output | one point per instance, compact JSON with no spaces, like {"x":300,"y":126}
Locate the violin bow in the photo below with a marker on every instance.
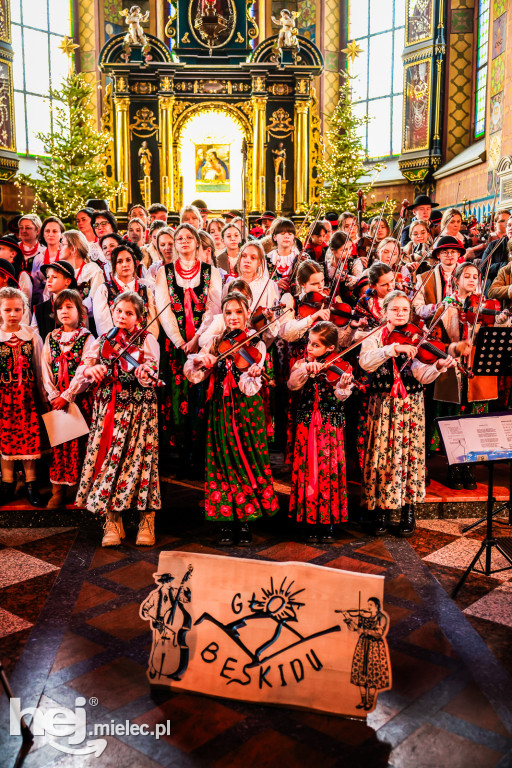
{"x":352,"y":346}
{"x":402,"y":216}
{"x":484,"y":283}
{"x":336,"y":278}
{"x":241,"y":344}
{"x":270,"y":277}
{"x":141,"y":331}
{"x":302,"y":255}
{"x":429,"y":330}
{"x":378,"y":224}
{"x":305,"y":219}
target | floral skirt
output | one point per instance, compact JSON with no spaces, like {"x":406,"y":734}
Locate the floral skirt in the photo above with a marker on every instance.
{"x":394,"y":466}
{"x":238,"y":475}
{"x":128,"y":476}
{"x":330,"y":503}
{"x":67,"y":458}
{"x":370,"y":663}
{"x":20,"y":435}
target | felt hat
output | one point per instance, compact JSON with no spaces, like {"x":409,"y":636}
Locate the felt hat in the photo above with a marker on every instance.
{"x":65,"y":268}
{"x":12,"y":242}
{"x":447,"y":243}
{"x":201,"y":205}
{"x":270,"y":215}
{"x":422,"y":200}
{"x":435,"y":217}
{"x":6,"y":268}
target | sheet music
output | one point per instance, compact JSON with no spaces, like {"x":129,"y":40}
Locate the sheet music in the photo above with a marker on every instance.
{"x":65,"y":425}
{"x":506,"y":423}
{"x":454,"y":440}
{"x":484,"y":435}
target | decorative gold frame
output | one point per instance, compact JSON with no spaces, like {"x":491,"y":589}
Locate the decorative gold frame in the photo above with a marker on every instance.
{"x":199,"y":39}
{"x":421,"y":39}
{"x":8,"y":64}
{"x":427,"y":60}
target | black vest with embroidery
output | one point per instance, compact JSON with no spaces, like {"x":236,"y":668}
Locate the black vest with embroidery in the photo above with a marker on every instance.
{"x":177,"y":296}
{"x":131,"y":389}
{"x":11,"y":365}
{"x":75,"y":359}
{"x":382,"y":380}
{"x":113,"y":290}
{"x":331,"y":409}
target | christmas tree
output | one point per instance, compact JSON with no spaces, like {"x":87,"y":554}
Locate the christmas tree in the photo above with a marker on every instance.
{"x":345,"y":162}
{"x":71,"y":171}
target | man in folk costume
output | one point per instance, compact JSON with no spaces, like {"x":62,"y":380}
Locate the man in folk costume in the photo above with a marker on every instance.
{"x":421,"y":210}
{"x":160,"y":607}
{"x":440,"y":283}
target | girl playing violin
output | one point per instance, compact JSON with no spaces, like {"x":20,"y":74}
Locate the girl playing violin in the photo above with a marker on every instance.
{"x":318,"y":497}
{"x":394,"y":466}
{"x":121,"y":466}
{"x":284,"y":254}
{"x":63,"y":352}
{"x":238,"y":485}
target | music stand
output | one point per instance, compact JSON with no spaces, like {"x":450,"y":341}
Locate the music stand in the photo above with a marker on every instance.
{"x":503,"y":545}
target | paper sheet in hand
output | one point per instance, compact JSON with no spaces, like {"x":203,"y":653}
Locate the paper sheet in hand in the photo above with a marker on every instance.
{"x":65,"y":425}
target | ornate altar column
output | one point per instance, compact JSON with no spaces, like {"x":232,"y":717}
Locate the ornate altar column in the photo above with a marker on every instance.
{"x":122,"y":105}
{"x":258,"y":162}
{"x":301,"y":153}
{"x":165,"y":107}
{"x":8,"y":158}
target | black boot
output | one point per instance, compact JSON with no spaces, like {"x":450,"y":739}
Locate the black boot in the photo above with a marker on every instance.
{"x":468,"y":478}
{"x":244,"y":538}
{"x":455,"y":480}
{"x":380,"y":527}
{"x":7,"y":491}
{"x":327,"y":534}
{"x":311,"y":533}
{"x":226,"y":536}
{"x":407,"y":524}
{"x":32,"y":494}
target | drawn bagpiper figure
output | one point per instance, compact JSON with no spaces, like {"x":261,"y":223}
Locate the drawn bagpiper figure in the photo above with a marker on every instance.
{"x":169,"y":654}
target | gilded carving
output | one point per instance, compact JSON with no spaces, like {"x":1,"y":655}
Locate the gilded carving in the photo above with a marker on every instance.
{"x":280,"y":124}
{"x":258,"y":83}
{"x":107,"y":124}
{"x":303,"y":86}
{"x":144,"y":124}
{"x":142,"y":88}
{"x":5,"y":21}
{"x":185,"y":38}
{"x":184,"y":87}
{"x":6,"y":108}
{"x":247,"y":108}
{"x":179,"y":107}
{"x":121,"y":84}
{"x":166,"y":84}
{"x":239,"y":38}
{"x":280,"y":89}
{"x":316,"y":148}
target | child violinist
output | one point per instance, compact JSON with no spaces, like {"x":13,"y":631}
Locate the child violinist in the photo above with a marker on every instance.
{"x":121,"y":466}
{"x":63,"y":351}
{"x":238,"y":484}
{"x":318,"y":497}
{"x":394,"y":465}
{"x":20,"y":377}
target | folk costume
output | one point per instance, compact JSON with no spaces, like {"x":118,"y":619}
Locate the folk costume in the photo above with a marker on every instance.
{"x":194,"y":297}
{"x":104,"y":301}
{"x":120,"y":470}
{"x":394,"y":466}
{"x":63,"y":353}
{"x":89,"y":276}
{"x":319,"y":486}
{"x":238,"y":476}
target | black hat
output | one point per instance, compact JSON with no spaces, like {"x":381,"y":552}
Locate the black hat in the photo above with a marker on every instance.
{"x":97,"y":205}
{"x":435,"y":216}
{"x":14,"y":223}
{"x":13,"y":242}
{"x":422,"y":200}
{"x":7,"y":268}
{"x":62,"y":266}
{"x":331,"y":216}
{"x":266,"y":215}
{"x":233,"y":214}
{"x":163,"y":578}
{"x":447,"y":243}
{"x":201,"y":205}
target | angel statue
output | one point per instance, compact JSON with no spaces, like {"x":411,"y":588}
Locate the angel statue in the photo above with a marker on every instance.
{"x":287,"y":34}
{"x":134,"y":18}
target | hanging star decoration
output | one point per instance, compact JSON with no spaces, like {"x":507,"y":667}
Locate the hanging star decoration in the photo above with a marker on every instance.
{"x":68,"y":46}
{"x":352,"y":50}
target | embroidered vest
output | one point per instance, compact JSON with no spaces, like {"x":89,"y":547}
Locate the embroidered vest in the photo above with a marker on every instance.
{"x":15,"y":360}
{"x":382,"y":379}
{"x":142,"y":291}
{"x":73,"y":362}
{"x":131,"y":389}
{"x":329,"y":406}
{"x":177,"y":295}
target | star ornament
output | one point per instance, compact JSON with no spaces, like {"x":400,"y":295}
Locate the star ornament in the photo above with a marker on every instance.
{"x":67,"y":46}
{"x":352,"y":50}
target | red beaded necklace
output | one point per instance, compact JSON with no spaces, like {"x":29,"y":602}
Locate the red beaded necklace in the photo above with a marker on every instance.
{"x":187,"y":274}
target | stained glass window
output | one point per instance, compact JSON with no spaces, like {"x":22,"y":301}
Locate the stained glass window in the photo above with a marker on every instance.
{"x":481,"y":67}
{"x":378,"y":27}
{"x":38,"y":26}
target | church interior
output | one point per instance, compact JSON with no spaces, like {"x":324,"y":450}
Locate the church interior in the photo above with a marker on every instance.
{"x":330,"y":119}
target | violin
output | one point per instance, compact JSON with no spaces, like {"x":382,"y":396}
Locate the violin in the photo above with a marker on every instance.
{"x":335,"y":369}
{"x":119,"y":348}
{"x":488,"y":310}
{"x":340,"y":314}
{"x":259,"y":318}
{"x":429,"y":350}
{"x":245,"y":353}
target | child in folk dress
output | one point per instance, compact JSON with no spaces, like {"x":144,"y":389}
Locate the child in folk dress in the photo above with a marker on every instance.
{"x":121,"y":466}
{"x":63,"y":352}
{"x":239,"y":484}
{"x":394,"y":466}
{"x":20,"y":377}
{"x":318,"y":497}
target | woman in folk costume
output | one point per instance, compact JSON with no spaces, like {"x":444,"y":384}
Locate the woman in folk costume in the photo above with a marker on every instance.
{"x":188,"y":294}
{"x":455,"y":393}
{"x":89,"y":276}
{"x":20,"y":400}
{"x":124,"y":278}
{"x":394,"y":466}
{"x":121,"y":466}
{"x":318,"y":498}
{"x":238,"y":476}
{"x":64,"y":349}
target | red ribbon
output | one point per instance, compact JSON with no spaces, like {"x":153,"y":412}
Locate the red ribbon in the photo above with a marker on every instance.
{"x":190,"y":328}
{"x":108,"y":428}
{"x":227,"y":391}
{"x":398,"y":389}
{"x":316,"y":423}
{"x":62,"y":362}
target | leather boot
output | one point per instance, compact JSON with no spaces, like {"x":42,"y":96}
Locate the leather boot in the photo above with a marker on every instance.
{"x":226,"y":536}
{"x":32,"y":494}
{"x":380,"y":526}
{"x":58,"y":499}
{"x":311,"y":533}
{"x":407,"y":524}
{"x":468,"y":477}
{"x":244,"y":538}
{"x":146,"y":532}
{"x":113,"y":530}
{"x":455,"y":478}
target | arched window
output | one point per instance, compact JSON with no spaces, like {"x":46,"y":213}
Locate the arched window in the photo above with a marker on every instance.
{"x":377,"y":26}
{"x":37,"y":30}
{"x":482,"y":52}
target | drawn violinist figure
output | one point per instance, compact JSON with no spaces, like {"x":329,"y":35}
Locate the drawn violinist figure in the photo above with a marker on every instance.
{"x":370,"y":663}
{"x":394,"y":465}
{"x":318,"y":497}
{"x":238,"y":485}
{"x":170,"y":621}
{"x":121,"y":466}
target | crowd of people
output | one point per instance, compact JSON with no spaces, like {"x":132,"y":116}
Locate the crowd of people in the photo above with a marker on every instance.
{"x":197,"y":348}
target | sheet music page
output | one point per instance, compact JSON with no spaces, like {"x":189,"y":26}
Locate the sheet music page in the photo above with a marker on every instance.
{"x":65,"y":425}
{"x":506,"y":423}
{"x":484,"y":435}
{"x":454,"y":440}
